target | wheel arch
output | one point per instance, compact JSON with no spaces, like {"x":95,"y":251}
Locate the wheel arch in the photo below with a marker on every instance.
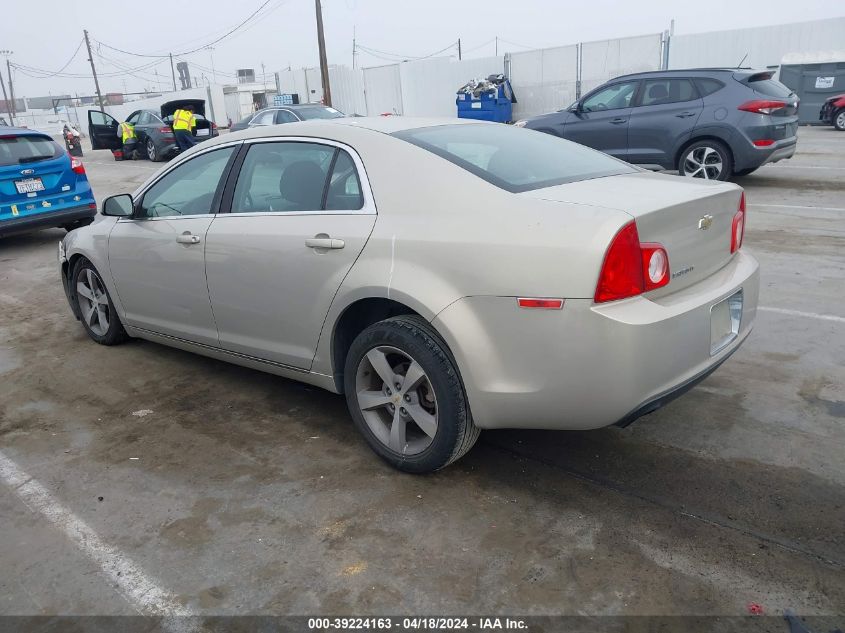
{"x":353,"y":320}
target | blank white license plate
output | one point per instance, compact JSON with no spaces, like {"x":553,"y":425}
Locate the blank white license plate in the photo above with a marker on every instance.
{"x":725,"y":319}
{"x":28,"y":185}
{"x":203,"y":132}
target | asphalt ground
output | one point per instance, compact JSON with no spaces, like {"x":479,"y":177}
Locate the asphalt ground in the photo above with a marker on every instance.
{"x":145,"y":480}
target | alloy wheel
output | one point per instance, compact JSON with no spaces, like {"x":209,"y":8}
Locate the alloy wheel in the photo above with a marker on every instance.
{"x":151,"y":150}
{"x":840,"y":120}
{"x":396,"y":400}
{"x":93,"y":302}
{"x":703,"y":162}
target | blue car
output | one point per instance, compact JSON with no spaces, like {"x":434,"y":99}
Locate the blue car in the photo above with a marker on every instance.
{"x":41,"y":186}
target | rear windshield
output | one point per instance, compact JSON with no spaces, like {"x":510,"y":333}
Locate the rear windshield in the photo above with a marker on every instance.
{"x":318,"y":113}
{"x":20,"y":150}
{"x":514,"y":159}
{"x":768,"y":87}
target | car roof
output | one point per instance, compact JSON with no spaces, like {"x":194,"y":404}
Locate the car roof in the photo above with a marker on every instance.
{"x":20,"y":131}
{"x":687,"y":71}
{"x":324,"y":127}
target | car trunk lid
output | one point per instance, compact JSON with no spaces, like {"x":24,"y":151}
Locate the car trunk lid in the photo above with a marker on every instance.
{"x":691,"y":218}
{"x":167,"y":109}
{"x":37,"y":163}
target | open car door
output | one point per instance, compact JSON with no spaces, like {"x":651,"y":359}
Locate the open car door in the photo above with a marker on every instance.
{"x":102,"y":129}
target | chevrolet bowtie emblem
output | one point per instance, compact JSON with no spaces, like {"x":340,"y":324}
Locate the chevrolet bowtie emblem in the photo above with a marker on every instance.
{"x":705,"y":222}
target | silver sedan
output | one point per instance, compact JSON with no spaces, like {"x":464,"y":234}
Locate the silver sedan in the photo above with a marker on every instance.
{"x":444,"y":276}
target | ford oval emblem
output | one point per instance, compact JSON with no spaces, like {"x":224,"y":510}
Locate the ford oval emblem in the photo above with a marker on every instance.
{"x":27,"y":172}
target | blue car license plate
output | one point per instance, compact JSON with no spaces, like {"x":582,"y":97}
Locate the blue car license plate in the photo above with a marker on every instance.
{"x":29,"y":185}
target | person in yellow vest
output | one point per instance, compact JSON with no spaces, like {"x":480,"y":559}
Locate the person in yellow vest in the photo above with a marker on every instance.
{"x":126,"y":132}
{"x":184,"y":122}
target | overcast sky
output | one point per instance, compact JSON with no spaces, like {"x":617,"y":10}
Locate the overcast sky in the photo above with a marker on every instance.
{"x":283,"y":33}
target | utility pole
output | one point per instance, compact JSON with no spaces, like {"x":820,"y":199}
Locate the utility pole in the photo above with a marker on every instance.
{"x":497,"y":46}
{"x":172,"y":72}
{"x":213,"y":72}
{"x":93,"y":70}
{"x":459,"y":49}
{"x":10,"y":101}
{"x":6,"y":99}
{"x":324,"y":65}
{"x":354,"y":48}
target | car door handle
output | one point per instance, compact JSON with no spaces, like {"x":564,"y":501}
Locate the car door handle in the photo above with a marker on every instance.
{"x":618,"y":120}
{"x":324,"y":242}
{"x":684,"y":115}
{"x":187,"y":238}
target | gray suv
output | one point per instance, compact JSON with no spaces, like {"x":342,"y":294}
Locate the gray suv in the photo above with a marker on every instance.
{"x":706,"y":123}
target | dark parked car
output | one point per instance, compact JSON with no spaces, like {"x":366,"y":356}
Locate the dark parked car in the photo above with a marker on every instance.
{"x":155,"y":136}
{"x":41,"y":185}
{"x":833,"y":112}
{"x":706,"y":123}
{"x":287,"y":114}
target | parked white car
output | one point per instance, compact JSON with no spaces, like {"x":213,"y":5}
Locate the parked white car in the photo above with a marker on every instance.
{"x":445,"y":276}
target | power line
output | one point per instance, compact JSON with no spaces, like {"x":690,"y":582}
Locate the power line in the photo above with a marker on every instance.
{"x":199,"y":48}
{"x":381,"y":54}
{"x":60,"y":70}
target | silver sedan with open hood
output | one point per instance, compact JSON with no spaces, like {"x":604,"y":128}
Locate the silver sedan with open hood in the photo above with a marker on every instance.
{"x":444,"y":276}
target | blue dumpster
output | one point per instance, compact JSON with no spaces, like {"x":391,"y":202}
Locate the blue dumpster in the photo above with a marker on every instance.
{"x":486,"y":100}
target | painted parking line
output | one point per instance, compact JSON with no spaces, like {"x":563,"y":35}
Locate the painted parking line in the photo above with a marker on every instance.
{"x":803,"y":315}
{"x":806,"y":167}
{"x":795,"y":206}
{"x":147,"y":596}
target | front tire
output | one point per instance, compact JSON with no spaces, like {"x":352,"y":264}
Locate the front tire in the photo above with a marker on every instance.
{"x":707,"y":159}
{"x":96,"y":309}
{"x":839,"y":120}
{"x":152,"y":151}
{"x":406,"y":397}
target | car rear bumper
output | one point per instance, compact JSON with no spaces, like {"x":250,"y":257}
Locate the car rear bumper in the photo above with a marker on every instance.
{"x":46,"y":219}
{"x":587,"y":365}
{"x":749,"y":156}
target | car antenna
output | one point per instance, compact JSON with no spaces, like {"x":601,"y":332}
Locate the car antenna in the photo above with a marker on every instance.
{"x":739,"y":65}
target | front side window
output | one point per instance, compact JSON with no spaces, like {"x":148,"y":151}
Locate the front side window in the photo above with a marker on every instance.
{"x":514,"y":159}
{"x":189,"y":189}
{"x":610,"y":98}
{"x":294,"y":176}
{"x":100,"y":118}
{"x":659,"y":91}
{"x":134,"y":117}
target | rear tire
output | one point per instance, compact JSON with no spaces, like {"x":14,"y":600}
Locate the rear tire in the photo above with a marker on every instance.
{"x":839,"y":120}
{"x":96,"y":309}
{"x":708,"y":159}
{"x":77,"y":224}
{"x":745,"y":172}
{"x":425,"y":387}
{"x":152,"y":151}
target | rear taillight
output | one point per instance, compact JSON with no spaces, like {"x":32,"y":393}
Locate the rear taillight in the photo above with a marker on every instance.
{"x":630,"y":267}
{"x":762,"y":106}
{"x":738,"y":225}
{"x":76,"y":165}
{"x":165,"y":130}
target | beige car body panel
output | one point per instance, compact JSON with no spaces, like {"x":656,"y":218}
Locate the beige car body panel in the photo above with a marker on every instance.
{"x":459,"y":254}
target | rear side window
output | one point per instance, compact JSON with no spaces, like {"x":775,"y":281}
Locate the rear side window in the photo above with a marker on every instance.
{"x":514,"y":159}
{"x":659,"y":91}
{"x":764,"y":85}
{"x":708,"y":86}
{"x":24,"y":149}
{"x":318,"y":112}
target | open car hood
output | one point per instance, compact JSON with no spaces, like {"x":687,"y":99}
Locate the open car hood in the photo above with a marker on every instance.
{"x":167,"y":109}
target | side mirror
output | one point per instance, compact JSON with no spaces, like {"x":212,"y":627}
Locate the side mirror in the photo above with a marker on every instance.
{"x":120,"y":206}
{"x":575,"y":107}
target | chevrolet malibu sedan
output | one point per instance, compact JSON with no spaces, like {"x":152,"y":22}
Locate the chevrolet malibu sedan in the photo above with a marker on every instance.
{"x":444,"y":276}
